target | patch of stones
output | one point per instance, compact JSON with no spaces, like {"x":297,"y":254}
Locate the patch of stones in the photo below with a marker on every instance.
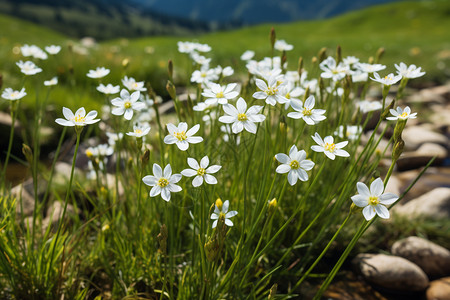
{"x":415,"y":265}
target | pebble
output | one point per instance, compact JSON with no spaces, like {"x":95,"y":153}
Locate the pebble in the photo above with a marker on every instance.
{"x":434,"y":204}
{"x":439,"y":289}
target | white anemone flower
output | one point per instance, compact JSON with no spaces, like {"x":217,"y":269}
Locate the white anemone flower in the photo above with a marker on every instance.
{"x":126,"y":104}
{"x":281,"y":45}
{"x":387,"y":80}
{"x":100,"y":72}
{"x":221,"y":209}
{"x":370,"y":68}
{"x":108,"y":89}
{"x":53,"y":49}
{"x":10,"y":94}
{"x":132,"y":85}
{"x":51,"y":82}
{"x":139,"y":130}
{"x":352,"y":132}
{"x":201,"y":171}
{"x":218,"y":93}
{"x":373,"y":200}
{"x":296,"y":164}
{"x":28,"y":67}
{"x":78,"y":119}
{"x":401,"y":114}
{"x":162,"y":183}
{"x":181,"y":136}
{"x":270,"y":91}
{"x":368,"y":106}
{"x":241,"y":117}
{"x":328,"y":147}
{"x":409,"y":72}
{"x":307,"y":112}
{"x":247,"y":55}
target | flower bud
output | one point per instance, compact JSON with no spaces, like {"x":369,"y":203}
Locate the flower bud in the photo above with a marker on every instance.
{"x":300,"y":66}
{"x":145,"y":158}
{"x":387,"y":109}
{"x":399,"y":129}
{"x":307,"y":93}
{"x":398,"y":149}
{"x":212,"y":248}
{"x":171,"y":89}
{"x":272,"y":206}
{"x":162,"y":238}
{"x":379,"y":54}
{"x":219,"y":203}
{"x":273,"y":292}
{"x":170,"y":69}
{"x":338,"y":54}
{"x":125,"y":63}
{"x":322,"y":54}
{"x":272,"y":37}
{"x":28,"y":153}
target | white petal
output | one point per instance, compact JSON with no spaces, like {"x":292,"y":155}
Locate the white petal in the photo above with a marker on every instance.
{"x":194,"y":139}
{"x":149,"y":180}
{"x":388,"y":198}
{"x":340,"y":152}
{"x":155,"y":191}
{"x":250,"y":127}
{"x":368,"y":212}
{"x":284,"y":168}
{"x":330,"y":155}
{"x":307,"y":165}
{"x":128,"y":114}
{"x":198,"y":180}
{"x":68,"y":114}
{"x":230,"y":110}
{"x":225,"y":206}
{"x":167,"y":171}
{"x":231,"y":214}
{"x":64,"y":122}
{"x":363,"y":189}
{"x":292,"y":177}
{"x":171,"y":128}
{"x":204,"y":162}
{"x":183,"y":145}
{"x":302,"y":175}
{"x":213,"y":169}
{"x":165,"y":194}
{"x":174,"y":188}
{"x":228,"y":222}
{"x":193,"y":130}
{"x":210,"y":179}
{"x":237,"y":127}
{"x":382,"y":211}
{"x":360,"y":200}
{"x":214,"y":224}
{"x":377,"y":187}
{"x":183,"y":126}
{"x":175,"y":178}
{"x":193,"y":163}
{"x":227,"y":119}
{"x":283,"y":158}
{"x":188,"y":172}
{"x":169,"y":139}
{"x":157,"y":171}
{"x":241,"y":105}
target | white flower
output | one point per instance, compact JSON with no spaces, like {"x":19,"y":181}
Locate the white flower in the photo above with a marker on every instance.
{"x":281,"y":45}
{"x":367,"y":106}
{"x":332,"y":70}
{"x":185,"y":47}
{"x":247,"y":55}
{"x":33,"y":51}
{"x":307,"y":112}
{"x":202,"y":106}
{"x":221,"y":94}
{"x":113,"y":137}
{"x":204,"y":76}
{"x":359,"y":76}
{"x":101,"y":151}
{"x":201,"y":171}
{"x":402,"y":114}
{"x":269,"y":91}
{"x":222,"y":210}
{"x":328,"y":146}
{"x":100,"y":72}
{"x":132,"y":85}
{"x":139,"y":130}
{"x":350,"y":60}
{"x":241,"y":117}
{"x":200,"y":59}
{"x":296,"y":164}
{"x":53,"y":81}
{"x":409,"y":72}
{"x":370,"y":68}
{"x":108,"y":89}
{"x":53,"y":49}
{"x":79,"y":119}
{"x":28,"y":67}
{"x":352,"y":133}
{"x":162,"y":183}
{"x":10,"y":94}
{"x":181,"y":136}
{"x":291,"y":93}
{"x":126,"y":104}
{"x":372,"y":200}
{"x":387,"y":80}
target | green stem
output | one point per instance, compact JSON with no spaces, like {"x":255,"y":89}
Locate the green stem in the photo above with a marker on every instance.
{"x":11,"y":137}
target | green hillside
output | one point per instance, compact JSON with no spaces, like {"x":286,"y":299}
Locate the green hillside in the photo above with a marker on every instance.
{"x":412,"y":32}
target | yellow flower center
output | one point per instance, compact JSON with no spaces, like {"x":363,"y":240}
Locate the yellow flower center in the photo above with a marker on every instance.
{"x":242,"y":117}
{"x":162,"y":182}
{"x":330,"y":147}
{"x":137,"y":131}
{"x":294,"y":165}
{"x":373,"y":200}
{"x":79,"y":119}
{"x":388,"y":78}
{"x":201,"y":172}
{"x":271,"y":91}
{"x":307,"y":112}
{"x":14,"y":94}
{"x":288,"y":96}
{"x":127,"y":104}
{"x":134,"y":85}
{"x":219,"y":95}
{"x":203,"y":75}
{"x":404,"y":115}
{"x":181,"y":136}
{"x":89,"y":153}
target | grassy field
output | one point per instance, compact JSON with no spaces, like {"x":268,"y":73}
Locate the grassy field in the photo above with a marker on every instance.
{"x":412,"y":32}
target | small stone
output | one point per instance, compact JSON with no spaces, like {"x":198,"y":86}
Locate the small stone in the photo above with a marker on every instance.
{"x":414,"y":136}
{"x":393,"y":273}
{"x":54,"y":214}
{"x":434,"y":204}
{"x":439,"y":289}
{"x":24,"y":200}
{"x":394,"y":185}
{"x":422,"y":156}
{"x":62,"y":171}
{"x":433,"y":259}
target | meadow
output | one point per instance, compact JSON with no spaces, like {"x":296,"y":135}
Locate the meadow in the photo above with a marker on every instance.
{"x":261,"y":178}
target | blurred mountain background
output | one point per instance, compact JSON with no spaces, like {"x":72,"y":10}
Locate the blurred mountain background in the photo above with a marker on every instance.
{"x":106,"y":19}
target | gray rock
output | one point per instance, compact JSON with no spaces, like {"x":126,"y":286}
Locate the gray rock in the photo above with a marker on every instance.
{"x":414,"y":136}
{"x":62,"y":171}
{"x":54,"y":214}
{"x":421,"y":157}
{"x":439,"y":289}
{"x":24,"y":200}
{"x":437,"y":205}
{"x":391,"y":272}
{"x":433,"y":259}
